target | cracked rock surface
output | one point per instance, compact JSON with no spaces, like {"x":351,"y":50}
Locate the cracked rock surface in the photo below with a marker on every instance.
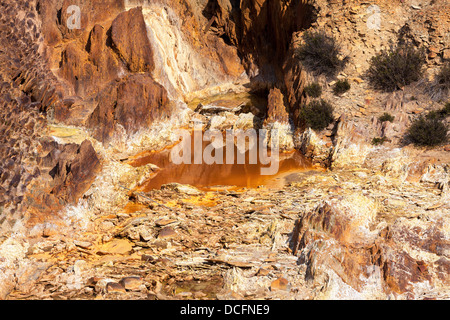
{"x":81,"y":111}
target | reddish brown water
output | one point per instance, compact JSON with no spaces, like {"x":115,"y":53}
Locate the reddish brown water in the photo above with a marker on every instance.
{"x":212,"y":176}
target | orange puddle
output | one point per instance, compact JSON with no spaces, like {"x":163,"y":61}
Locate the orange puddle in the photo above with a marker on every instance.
{"x":207,"y":201}
{"x":212,"y":177}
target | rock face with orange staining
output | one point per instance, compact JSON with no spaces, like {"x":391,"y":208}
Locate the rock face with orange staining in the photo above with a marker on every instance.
{"x":55,"y":15}
{"x":276,"y":109}
{"x":29,"y":94}
{"x":341,"y":240}
{"x":66,"y":171}
{"x":74,"y":171}
{"x":133,"y":102}
{"x":100,"y":76}
{"x":101,"y":72}
{"x":190,"y":59}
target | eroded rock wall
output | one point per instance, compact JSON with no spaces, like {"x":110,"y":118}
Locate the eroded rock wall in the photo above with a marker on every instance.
{"x":190,"y":60}
{"x":29,"y":94}
{"x":97,"y":68}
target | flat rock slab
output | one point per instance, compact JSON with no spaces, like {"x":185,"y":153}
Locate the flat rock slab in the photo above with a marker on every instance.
{"x":116,"y":246}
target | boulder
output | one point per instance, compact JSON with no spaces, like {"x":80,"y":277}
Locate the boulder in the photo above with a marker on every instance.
{"x":314,"y":147}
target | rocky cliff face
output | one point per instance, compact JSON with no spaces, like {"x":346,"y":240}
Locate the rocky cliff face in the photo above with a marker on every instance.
{"x":189,"y":59}
{"x":98,"y":65}
{"x":78,"y":105}
{"x":263,"y":33}
{"x":29,"y":93}
{"x":262,"y":30}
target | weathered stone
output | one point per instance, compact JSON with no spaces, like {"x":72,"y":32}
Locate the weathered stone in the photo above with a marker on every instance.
{"x":279,"y":284}
{"x":323,"y":234}
{"x":383,"y":234}
{"x":191,"y":60}
{"x":114,"y":287}
{"x":166,"y":233}
{"x":133,"y":102}
{"x":164,"y":222}
{"x":130,"y":40}
{"x":294,"y":82}
{"x":89,"y":71}
{"x":446,"y":54}
{"x":313,"y":147}
{"x":83,"y":244}
{"x":92,"y":282}
{"x":73,"y":177}
{"x":351,"y":144}
{"x":276,"y":109}
{"x":181,"y":188}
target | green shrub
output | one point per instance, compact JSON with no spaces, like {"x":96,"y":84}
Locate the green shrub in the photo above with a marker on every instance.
{"x":428,"y":131}
{"x":321,"y":53}
{"x":317,"y":114}
{"x":439,"y":114}
{"x":395,"y":68}
{"x":341,"y":86}
{"x":313,"y":90}
{"x":378,"y":141}
{"x":386,"y":117}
